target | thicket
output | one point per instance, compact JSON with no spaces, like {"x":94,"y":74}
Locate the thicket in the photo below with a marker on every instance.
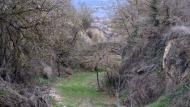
{"x":35,"y":32}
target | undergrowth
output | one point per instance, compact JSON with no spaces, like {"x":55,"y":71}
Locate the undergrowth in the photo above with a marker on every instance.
{"x":161,"y":102}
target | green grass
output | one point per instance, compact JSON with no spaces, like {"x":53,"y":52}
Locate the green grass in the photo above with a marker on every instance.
{"x":161,"y":102}
{"x":77,"y":86}
{"x":40,"y":80}
{"x":81,"y":87}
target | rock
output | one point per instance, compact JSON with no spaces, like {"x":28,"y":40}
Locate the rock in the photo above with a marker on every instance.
{"x":177,"y":57}
{"x":181,"y":101}
{"x":36,"y":101}
{"x":65,"y":71}
{"x":93,"y":36}
{"x":141,"y":58}
{"x":68,"y":71}
{"x":11,"y":98}
{"x":4,"y":74}
{"x":146,"y":69}
{"x":143,"y":89}
{"x":47,"y":71}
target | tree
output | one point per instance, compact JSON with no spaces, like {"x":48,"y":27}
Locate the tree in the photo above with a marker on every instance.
{"x":85,"y":15}
{"x":99,"y":57}
{"x":154,"y":12}
{"x":36,"y":30}
{"x":21,"y":23}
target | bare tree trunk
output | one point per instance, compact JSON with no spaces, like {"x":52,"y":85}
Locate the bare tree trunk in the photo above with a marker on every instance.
{"x":117,"y":98}
{"x":131,"y":102}
{"x":97,"y":76}
{"x":98,"y":81}
{"x":58,"y":69}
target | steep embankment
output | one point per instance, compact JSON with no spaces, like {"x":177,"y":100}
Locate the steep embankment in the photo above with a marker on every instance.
{"x":157,"y":68}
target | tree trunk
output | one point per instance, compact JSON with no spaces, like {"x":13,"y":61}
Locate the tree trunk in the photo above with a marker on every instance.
{"x":98,"y":81}
{"x":97,"y":76}
{"x":117,"y":98}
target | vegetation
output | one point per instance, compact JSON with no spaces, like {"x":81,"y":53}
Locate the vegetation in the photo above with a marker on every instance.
{"x":79,"y":89}
{"x":2,"y":92}
{"x":140,"y":58}
{"x":161,"y":102}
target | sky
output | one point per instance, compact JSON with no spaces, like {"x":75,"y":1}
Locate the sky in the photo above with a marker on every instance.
{"x":100,"y":7}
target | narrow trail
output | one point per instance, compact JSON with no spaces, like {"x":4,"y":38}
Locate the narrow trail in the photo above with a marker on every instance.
{"x":80,"y":91}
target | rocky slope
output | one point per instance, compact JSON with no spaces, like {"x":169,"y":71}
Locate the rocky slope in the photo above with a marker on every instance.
{"x":157,"y":65}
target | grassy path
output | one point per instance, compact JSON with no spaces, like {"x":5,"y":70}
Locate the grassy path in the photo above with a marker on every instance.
{"x":80,"y":91}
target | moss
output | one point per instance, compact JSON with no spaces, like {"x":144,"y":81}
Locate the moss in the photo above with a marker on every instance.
{"x":2,"y":92}
{"x":40,"y":80}
{"x":163,"y":101}
{"x":160,"y":73}
{"x":180,"y":90}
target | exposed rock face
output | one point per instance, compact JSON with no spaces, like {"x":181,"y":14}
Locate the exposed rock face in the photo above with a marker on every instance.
{"x":143,"y":90}
{"x":142,"y":68}
{"x":9,"y":97}
{"x":181,"y":101}
{"x":93,"y":36}
{"x":47,"y":71}
{"x":177,"y":57}
{"x":156,"y":64}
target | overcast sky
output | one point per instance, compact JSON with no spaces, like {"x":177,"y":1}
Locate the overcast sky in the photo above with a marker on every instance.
{"x":100,"y":7}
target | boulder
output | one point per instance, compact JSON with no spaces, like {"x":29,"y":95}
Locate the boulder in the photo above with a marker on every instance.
{"x":47,"y":71}
{"x":93,"y":35}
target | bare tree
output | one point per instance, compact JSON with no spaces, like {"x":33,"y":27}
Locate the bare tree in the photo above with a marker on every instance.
{"x":42,"y":30}
{"x":85,"y":15}
{"x":20,"y":27}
